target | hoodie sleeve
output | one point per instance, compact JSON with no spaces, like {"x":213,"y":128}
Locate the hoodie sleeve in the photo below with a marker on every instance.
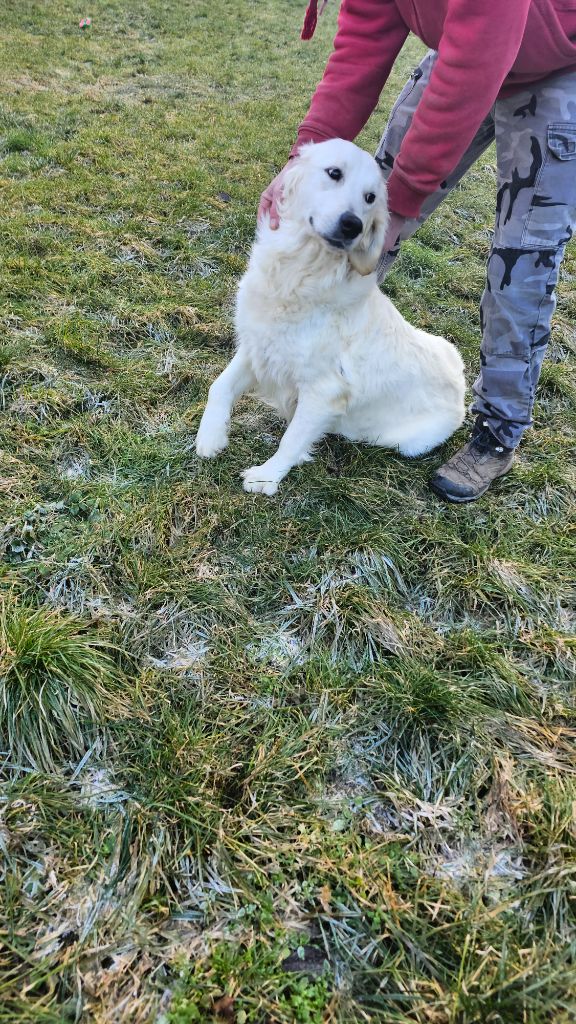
{"x":480,"y":42}
{"x":370,"y":36}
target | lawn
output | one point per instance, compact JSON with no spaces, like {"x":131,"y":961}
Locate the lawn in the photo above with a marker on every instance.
{"x":302,"y":759}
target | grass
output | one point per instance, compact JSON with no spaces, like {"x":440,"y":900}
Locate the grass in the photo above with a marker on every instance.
{"x":55,"y":682}
{"x":307,"y":759}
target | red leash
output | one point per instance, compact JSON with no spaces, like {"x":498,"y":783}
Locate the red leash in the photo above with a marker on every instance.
{"x":311,"y":19}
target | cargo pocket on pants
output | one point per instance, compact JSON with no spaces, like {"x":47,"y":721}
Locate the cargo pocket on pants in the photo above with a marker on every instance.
{"x":552,"y":214}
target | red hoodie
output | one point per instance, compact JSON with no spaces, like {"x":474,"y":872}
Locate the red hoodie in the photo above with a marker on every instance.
{"x":486,"y":49}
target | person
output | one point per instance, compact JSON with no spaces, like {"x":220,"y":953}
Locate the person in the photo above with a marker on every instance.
{"x":503,"y":72}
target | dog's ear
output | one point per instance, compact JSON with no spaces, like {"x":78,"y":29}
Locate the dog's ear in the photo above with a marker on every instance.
{"x":364,"y":258}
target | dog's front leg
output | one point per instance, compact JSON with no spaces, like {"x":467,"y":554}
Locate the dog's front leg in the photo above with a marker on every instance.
{"x":212,"y":434}
{"x":313,"y":418}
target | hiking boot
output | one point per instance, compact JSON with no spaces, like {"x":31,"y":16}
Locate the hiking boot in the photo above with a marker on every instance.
{"x":470,"y":472}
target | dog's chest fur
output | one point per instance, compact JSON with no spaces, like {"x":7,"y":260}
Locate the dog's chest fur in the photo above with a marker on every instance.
{"x":287,"y":355}
{"x":293,"y":332}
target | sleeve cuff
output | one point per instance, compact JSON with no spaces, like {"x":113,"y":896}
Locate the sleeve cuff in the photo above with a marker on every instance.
{"x":402,"y":198}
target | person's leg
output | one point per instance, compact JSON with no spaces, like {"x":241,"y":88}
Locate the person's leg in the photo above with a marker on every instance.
{"x":535,"y":217}
{"x":398,"y":123}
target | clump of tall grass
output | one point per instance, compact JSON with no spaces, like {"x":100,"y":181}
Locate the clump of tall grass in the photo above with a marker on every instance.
{"x":58,"y":680}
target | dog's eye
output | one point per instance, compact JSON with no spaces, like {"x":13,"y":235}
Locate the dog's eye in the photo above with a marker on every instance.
{"x":334,"y":172}
{"x":369,"y":197}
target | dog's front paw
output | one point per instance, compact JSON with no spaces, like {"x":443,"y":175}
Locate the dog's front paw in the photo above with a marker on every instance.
{"x":210,"y":441}
{"x":261,"y":479}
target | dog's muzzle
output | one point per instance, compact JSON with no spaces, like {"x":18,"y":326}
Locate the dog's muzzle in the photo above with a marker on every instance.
{"x":348,"y":228}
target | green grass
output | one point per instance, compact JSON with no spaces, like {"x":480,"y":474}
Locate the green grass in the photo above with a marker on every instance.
{"x":307,"y":759}
{"x":55,"y":681}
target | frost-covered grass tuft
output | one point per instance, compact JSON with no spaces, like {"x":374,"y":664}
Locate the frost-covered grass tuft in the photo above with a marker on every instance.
{"x":58,"y":682}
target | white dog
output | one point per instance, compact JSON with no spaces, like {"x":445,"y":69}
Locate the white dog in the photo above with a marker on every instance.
{"x":318,"y":341}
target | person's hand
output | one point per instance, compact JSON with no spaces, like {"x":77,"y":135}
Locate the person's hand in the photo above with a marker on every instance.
{"x":270,"y":197}
{"x":393,"y":233}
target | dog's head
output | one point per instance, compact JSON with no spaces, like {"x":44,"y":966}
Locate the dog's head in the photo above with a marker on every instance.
{"x":337,"y":191}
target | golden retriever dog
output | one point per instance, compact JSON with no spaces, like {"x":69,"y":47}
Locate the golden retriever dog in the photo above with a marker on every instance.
{"x":316,"y":338}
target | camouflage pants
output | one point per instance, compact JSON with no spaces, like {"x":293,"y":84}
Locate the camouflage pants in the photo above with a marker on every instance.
{"x":535,"y":134}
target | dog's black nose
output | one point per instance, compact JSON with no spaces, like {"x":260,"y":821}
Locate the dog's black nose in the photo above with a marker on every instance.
{"x":350,"y":225}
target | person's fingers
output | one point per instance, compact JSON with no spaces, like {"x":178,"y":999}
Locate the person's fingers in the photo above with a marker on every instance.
{"x":395,"y":226}
{"x":274,"y":215}
{"x":269,"y":200}
{"x":268,"y":205}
